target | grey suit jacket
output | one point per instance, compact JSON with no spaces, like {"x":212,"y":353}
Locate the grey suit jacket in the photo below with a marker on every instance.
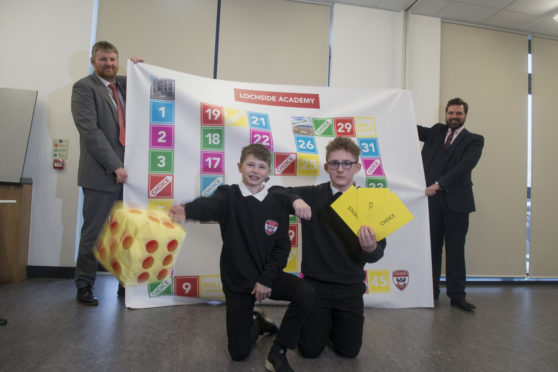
{"x":96,"y":119}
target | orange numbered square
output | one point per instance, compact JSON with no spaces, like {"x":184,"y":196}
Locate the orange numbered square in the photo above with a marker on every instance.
{"x":139,"y":246}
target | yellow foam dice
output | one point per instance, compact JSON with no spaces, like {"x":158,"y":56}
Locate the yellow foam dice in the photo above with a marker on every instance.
{"x":139,"y":246}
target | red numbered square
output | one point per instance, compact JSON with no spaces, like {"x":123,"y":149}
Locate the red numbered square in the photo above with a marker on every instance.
{"x":284,"y":163}
{"x":212,"y":114}
{"x":187,"y":286}
{"x":344,"y":127}
{"x":293,"y":234}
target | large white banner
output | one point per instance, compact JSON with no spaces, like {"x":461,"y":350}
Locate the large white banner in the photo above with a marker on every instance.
{"x":184,"y":137}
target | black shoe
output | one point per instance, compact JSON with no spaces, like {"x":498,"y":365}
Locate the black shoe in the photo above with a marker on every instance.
{"x":277,"y":360}
{"x":121,"y":291}
{"x":266,"y":325}
{"x":3,"y":322}
{"x":87,"y":297}
{"x":462,"y":304}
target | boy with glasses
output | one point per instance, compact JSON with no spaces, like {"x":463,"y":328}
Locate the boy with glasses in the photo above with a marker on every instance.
{"x":333,"y":258}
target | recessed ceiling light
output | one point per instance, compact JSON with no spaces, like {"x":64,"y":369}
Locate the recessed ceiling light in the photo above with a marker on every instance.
{"x":555,"y":18}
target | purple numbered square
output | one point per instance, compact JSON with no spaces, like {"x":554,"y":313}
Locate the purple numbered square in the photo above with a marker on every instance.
{"x":161,"y":136}
{"x":212,"y":162}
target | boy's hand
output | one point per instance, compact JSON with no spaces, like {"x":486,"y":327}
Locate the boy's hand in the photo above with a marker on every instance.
{"x":261,"y":292}
{"x":302,"y":209}
{"x":367,"y":239}
{"x":178,"y":213}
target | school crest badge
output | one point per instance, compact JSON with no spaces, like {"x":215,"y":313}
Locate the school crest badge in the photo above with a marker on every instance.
{"x":271,"y":227}
{"x":400,"y":279}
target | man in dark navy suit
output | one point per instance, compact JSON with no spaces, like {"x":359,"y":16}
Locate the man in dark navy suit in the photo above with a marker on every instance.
{"x":449,"y":155}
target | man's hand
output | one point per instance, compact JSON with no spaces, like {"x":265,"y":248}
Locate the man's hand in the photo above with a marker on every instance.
{"x":367,"y":239}
{"x":261,"y":292}
{"x":432,"y":189}
{"x":302,"y":209}
{"x":136,"y":60}
{"x":178,"y":213}
{"x":121,"y":176}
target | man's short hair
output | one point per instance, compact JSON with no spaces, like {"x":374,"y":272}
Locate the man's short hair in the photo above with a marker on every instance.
{"x":343,"y":143}
{"x":458,"y":102}
{"x":103,"y":45}
{"x":257,"y":150}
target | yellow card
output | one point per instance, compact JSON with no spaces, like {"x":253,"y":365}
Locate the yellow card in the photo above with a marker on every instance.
{"x":387,"y":216}
{"x":346,"y":207}
{"x":368,"y":197}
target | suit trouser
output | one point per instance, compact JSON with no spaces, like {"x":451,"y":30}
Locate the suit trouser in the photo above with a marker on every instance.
{"x":96,"y":207}
{"x":243,"y":332}
{"x":449,"y":227}
{"x":337,"y":316}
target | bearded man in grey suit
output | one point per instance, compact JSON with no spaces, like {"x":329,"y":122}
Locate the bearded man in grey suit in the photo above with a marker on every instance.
{"x":99,"y":117}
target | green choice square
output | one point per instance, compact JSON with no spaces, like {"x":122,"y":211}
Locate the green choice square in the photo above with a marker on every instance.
{"x":164,"y":288}
{"x":323,"y":127}
{"x":376,"y":182}
{"x":161,"y":161}
{"x":293,"y":219}
{"x":213,"y":138}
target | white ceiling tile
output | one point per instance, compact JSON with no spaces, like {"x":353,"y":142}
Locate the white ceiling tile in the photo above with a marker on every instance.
{"x":547,"y":27}
{"x":535,"y":7}
{"x":468,"y":12}
{"x":498,"y":4}
{"x":513,"y":20}
{"x":429,"y":7}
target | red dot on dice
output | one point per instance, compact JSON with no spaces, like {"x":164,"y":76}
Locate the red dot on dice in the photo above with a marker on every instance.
{"x":173,"y":244}
{"x":167,"y":260}
{"x":143,"y":277}
{"x":116,"y":267}
{"x":102,"y":250}
{"x":162,"y":274}
{"x":151,"y":246}
{"x":114,"y":227}
{"x":127,"y":241}
{"x":148,"y":262}
{"x":168,"y":224}
{"x":153,"y":218}
{"x":113,"y":245}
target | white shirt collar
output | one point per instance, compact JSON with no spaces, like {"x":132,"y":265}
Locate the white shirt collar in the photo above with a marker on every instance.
{"x":245,"y":192}
{"x":333,"y":189}
{"x":105,"y":81}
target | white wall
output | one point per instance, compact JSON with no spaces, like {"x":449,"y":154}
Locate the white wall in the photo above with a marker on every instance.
{"x":45,"y":47}
{"x":50,"y":52}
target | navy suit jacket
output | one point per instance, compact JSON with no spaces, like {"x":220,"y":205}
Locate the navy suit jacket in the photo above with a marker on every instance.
{"x":96,"y":119}
{"x":462,"y":156}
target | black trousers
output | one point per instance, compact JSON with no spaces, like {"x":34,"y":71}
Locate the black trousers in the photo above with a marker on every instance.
{"x":243,"y":332}
{"x":96,"y":208}
{"x":337,"y":316}
{"x":449,"y":227}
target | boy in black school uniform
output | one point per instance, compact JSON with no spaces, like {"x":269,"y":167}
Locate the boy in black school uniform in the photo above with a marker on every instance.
{"x":333,"y":258}
{"x":256,"y":245}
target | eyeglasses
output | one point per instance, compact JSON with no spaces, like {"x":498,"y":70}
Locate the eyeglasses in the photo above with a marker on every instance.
{"x":347,"y":164}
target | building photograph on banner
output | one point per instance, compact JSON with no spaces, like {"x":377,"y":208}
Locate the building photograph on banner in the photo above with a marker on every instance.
{"x":185,"y":134}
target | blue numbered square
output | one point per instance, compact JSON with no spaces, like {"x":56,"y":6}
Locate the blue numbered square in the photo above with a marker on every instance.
{"x":162,"y":112}
{"x":258,"y":120}
{"x":369,"y":147}
{"x":306,"y":144}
